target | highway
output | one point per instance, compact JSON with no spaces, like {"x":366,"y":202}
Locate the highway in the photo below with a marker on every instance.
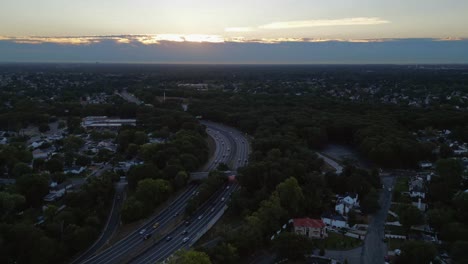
{"x":225,"y":151}
{"x":184,"y":236}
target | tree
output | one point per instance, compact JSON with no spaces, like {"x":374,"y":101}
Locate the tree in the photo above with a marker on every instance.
{"x":439,"y":216}
{"x":50,"y":212}
{"x":82,"y":160}
{"x":20,"y":169}
{"x":34,"y":187}
{"x":140,"y":138}
{"x":10,"y":203}
{"x":222,"y":167}
{"x":190,"y":257}
{"x":460,"y":252}
{"x":416,"y":252}
{"x":409,"y":215}
{"x":38,"y":164}
{"x":451,"y":171}
{"x":180,"y":179}
{"x":290,"y":194}
{"x":153,"y":192}
{"x":132,"y":210}
{"x":72,"y":143}
{"x":292,"y":246}
{"x":44,"y":127}
{"x":460,"y":202}
{"x":54,"y":165}
{"x":445,"y":151}
{"x":223,"y":253}
{"x":370,"y":203}
{"x":140,"y":172}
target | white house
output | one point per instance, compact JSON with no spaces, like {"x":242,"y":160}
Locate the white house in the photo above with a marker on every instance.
{"x":425,"y":165}
{"x":416,"y":188}
{"x":74,"y":170}
{"x":334,"y":220}
{"x":346,"y":203}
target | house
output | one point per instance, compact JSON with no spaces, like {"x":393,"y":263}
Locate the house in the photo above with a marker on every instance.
{"x":74,"y":170}
{"x":312,"y":228}
{"x":345,"y":203}
{"x":416,"y":188}
{"x":334,"y":220}
{"x":425,"y":165}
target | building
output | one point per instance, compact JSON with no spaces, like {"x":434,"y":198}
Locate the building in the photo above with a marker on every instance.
{"x":345,"y":203}
{"x":334,"y":220}
{"x":416,"y":188}
{"x":312,"y":228}
{"x":91,"y":122}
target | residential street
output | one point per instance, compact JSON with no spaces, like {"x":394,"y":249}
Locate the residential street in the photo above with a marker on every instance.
{"x":374,"y":250}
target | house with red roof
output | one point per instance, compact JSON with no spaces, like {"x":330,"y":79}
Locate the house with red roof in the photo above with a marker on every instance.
{"x":312,"y":228}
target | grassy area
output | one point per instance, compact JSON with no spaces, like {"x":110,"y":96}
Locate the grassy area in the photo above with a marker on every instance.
{"x":393,"y":244}
{"x":401,"y":184}
{"x":336,"y":241}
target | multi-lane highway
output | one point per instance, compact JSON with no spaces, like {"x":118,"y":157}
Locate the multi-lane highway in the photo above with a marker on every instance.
{"x":187,"y":233}
{"x":231,"y":148}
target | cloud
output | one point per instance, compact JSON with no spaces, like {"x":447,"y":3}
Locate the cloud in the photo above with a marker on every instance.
{"x":239,"y":29}
{"x":157,"y":39}
{"x":356,"y":21}
{"x":450,"y":39}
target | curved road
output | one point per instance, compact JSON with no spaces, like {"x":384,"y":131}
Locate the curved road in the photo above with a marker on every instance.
{"x":184,"y":236}
{"x":134,"y":241}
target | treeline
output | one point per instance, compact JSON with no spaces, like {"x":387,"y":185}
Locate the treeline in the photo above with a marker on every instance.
{"x":167,"y":164}
{"x":63,"y":232}
{"x":382,"y":133}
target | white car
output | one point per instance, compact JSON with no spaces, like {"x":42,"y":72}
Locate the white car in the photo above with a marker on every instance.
{"x":142,"y":231}
{"x":185,"y":239}
{"x":200,"y":217}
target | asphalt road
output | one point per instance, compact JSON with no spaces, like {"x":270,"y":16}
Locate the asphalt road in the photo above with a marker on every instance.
{"x":374,"y":249}
{"x":111,"y":225}
{"x":183,"y":236}
{"x":225,"y":152}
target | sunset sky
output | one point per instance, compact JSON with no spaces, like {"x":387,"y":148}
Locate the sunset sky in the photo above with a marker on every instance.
{"x":36,"y":27}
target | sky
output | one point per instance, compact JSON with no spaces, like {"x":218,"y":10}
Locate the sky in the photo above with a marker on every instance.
{"x":214,"y":31}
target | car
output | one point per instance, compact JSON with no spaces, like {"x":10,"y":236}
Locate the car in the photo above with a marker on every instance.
{"x":184,"y":232}
{"x":185,"y":239}
{"x":147,"y":236}
{"x":142,"y":231}
{"x":168,"y":238}
{"x":212,"y":210}
{"x":200,"y":217}
{"x":222,"y":199}
{"x":187,"y":223}
{"x":176,"y":214}
{"x":227,"y":188}
{"x":156,"y":225}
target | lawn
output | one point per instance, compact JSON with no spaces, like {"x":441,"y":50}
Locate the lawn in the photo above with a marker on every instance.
{"x":401,"y":184}
{"x":336,"y":241}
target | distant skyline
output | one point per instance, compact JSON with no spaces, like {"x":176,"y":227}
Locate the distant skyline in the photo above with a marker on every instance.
{"x":31,"y":28}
